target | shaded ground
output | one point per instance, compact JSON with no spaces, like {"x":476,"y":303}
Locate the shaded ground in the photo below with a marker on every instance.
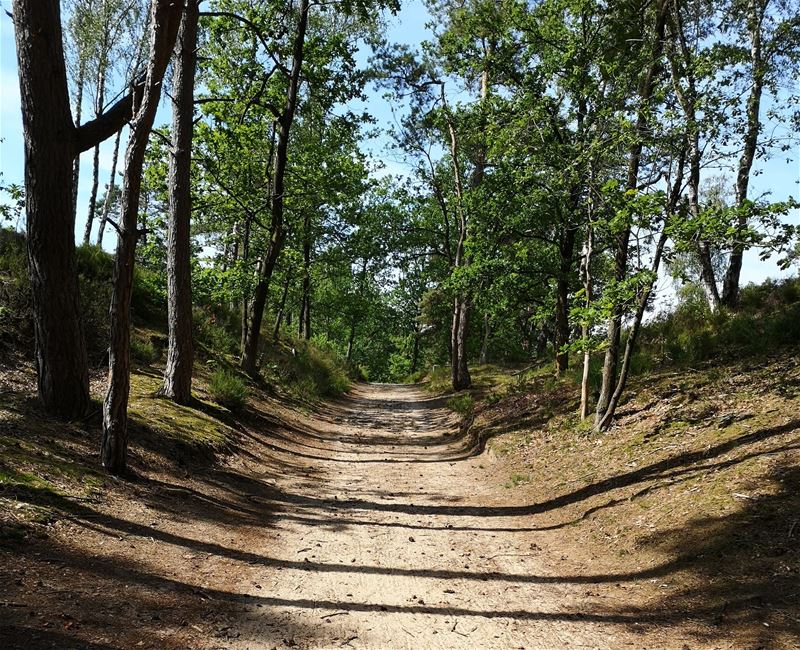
{"x":373,"y":524}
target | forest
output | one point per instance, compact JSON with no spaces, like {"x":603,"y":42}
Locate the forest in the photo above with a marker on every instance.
{"x":439,"y":291}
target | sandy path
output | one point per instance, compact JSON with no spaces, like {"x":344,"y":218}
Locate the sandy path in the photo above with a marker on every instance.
{"x":388,"y":542}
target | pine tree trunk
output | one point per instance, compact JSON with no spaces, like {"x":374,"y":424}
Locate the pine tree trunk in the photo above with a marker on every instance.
{"x":110,"y":190}
{"x":165,"y":17}
{"x":180,"y":353}
{"x":49,"y":135}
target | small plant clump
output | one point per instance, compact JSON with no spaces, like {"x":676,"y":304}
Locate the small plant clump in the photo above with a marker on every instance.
{"x":461,"y":404}
{"x":228,"y":389}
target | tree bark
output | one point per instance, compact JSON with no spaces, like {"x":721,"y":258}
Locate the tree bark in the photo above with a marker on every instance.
{"x":483,"y":358}
{"x":110,"y":190}
{"x":646,"y":91}
{"x":180,"y":353}
{"x":249,"y":359}
{"x":415,"y":350}
{"x":730,"y":287}
{"x":604,"y":421}
{"x":305,"y":305}
{"x":165,"y":18}
{"x":76,"y":164}
{"x":49,"y":135}
{"x":586,"y":277}
{"x":51,"y":144}
{"x":281,"y":308}
{"x":566,"y":251}
{"x":102,"y":64}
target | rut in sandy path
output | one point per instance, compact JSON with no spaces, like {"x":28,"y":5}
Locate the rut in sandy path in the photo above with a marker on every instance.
{"x":394,"y":539}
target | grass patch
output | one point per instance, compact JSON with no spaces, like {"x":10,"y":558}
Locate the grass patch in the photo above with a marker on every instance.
{"x":176,"y":423}
{"x":515,"y":480}
{"x":462,"y":404}
{"x":228,"y":389}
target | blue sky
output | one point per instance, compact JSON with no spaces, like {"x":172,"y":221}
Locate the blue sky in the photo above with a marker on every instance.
{"x":777,"y":176}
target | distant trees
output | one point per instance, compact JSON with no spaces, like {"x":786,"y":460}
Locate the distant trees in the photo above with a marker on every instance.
{"x":558,"y":150}
{"x":592,"y":155}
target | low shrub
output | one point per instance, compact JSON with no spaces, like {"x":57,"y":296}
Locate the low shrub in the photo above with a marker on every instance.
{"x":228,"y":389}
{"x":461,"y":404}
{"x":143,"y":350}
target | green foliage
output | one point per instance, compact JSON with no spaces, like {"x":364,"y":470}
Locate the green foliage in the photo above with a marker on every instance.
{"x":215,"y":331}
{"x":461,"y":404}
{"x":322,"y":368}
{"x":143,"y":350}
{"x":767,"y":319}
{"x":228,"y":389}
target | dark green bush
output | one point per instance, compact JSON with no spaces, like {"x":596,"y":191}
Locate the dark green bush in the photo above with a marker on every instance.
{"x":228,"y":389}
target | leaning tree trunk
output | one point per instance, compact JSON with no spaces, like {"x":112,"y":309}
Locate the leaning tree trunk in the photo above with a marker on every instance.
{"x":252,"y":334}
{"x":460,"y":371}
{"x":76,"y":164}
{"x":730,"y":288}
{"x":101,"y":91}
{"x":415,"y":350}
{"x":305,"y":306}
{"x":165,"y":17}
{"x":605,"y":419}
{"x":109,"y":191}
{"x":646,"y":92}
{"x":178,"y":371}
{"x":276,"y":330}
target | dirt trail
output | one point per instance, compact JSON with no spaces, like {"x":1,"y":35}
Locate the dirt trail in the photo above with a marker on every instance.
{"x":369,"y":523}
{"x":395,"y":540}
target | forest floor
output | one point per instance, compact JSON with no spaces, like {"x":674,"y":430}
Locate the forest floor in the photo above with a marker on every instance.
{"x":373,"y":521}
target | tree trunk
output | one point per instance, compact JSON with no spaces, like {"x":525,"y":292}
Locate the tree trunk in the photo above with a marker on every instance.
{"x":604,"y":420}
{"x":415,"y":350}
{"x":165,"y":18}
{"x":586,"y":274}
{"x":305,"y":304}
{"x":646,"y":90}
{"x":110,"y":190}
{"x":76,"y":164}
{"x":277,"y":232}
{"x":49,"y":134}
{"x":566,"y":251}
{"x":351,"y":340}
{"x":51,"y":143}
{"x":460,"y":375}
{"x":483,"y":358}
{"x":281,"y":308}
{"x":730,"y":288}
{"x":98,"y":110}
{"x":180,"y":354}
